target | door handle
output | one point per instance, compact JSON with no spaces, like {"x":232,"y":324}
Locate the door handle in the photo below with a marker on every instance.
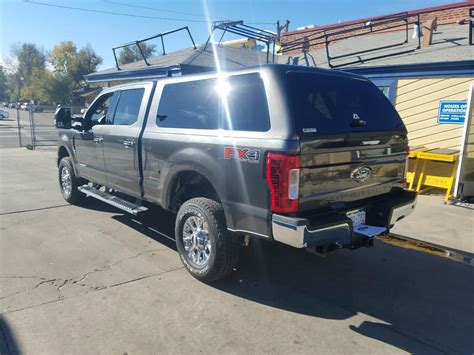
{"x":98,"y":139}
{"x":128,"y":143}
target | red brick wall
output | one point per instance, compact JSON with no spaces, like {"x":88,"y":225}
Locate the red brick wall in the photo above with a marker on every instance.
{"x":445,"y":14}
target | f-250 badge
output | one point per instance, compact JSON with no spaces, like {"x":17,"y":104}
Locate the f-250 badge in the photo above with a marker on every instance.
{"x":243,"y":154}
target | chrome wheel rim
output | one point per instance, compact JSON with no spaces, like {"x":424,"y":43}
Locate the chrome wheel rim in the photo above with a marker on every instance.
{"x":196,"y":242}
{"x":66,"y":184}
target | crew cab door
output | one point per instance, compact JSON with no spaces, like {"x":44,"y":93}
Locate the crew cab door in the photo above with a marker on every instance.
{"x":88,"y":142}
{"x":120,"y":140}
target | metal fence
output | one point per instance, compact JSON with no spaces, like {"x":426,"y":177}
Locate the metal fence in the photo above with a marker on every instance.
{"x":35,"y":125}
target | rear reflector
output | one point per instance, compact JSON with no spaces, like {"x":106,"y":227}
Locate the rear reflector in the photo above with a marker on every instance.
{"x":407,"y":163}
{"x":283,"y":177}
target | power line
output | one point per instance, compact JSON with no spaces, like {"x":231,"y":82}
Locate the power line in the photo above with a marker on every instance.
{"x":151,"y":8}
{"x":109,"y":12}
{"x":128,"y":15}
{"x":175,"y":12}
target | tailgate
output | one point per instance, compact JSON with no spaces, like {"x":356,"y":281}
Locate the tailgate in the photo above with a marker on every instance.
{"x":351,"y":171}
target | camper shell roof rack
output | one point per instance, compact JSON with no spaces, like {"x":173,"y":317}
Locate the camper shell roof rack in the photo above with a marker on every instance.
{"x":160,"y":35}
{"x":241,"y":29}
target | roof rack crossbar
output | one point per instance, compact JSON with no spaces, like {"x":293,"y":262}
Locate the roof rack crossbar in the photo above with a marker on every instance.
{"x":160,"y":35}
{"x":240,"y":29}
{"x":248,"y":34}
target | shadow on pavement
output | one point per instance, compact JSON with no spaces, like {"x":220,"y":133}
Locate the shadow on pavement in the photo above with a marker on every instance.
{"x":417,"y":300}
{"x":418,"y":295}
{"x":156,"y":223}
{"x":7,"y":339}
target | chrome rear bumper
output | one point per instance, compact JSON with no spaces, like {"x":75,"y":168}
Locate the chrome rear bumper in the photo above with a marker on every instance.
{"x":296,"y":232}
{"x":400,"y":212}
{"x":301,"y":232}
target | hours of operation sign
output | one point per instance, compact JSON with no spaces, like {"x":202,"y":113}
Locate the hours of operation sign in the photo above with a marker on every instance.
{"x":452,"y":111}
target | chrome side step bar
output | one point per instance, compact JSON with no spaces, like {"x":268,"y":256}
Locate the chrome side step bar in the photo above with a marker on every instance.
{"x":112,"y":200}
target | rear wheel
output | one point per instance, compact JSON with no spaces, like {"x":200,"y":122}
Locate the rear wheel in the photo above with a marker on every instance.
{"x":68,"y":182}
{"x":207,"y":249}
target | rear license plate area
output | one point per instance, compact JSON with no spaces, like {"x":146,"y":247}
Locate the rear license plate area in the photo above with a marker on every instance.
{"x":357,"y":217}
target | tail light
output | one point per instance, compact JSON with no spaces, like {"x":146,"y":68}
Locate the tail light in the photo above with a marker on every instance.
{"x":283,"y":177}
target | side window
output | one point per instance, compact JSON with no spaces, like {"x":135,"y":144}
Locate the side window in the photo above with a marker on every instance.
{"x":192,"y":104}
{"x":128,"y":107}
{"x":113,"y":104}
{"x":98,"y":111}
{"x":247,"y":102}
{"x":236,"y":103}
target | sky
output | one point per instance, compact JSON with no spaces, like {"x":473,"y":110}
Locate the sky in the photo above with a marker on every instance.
{"x":46,"y":25}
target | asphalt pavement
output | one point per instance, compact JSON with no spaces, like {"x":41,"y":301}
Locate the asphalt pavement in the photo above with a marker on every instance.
{"x":92,"y":279}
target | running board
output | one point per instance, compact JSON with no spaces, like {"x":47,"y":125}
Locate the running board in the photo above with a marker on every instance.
{"x":112,"y":200}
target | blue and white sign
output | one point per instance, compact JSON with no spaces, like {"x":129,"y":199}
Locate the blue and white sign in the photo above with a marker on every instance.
{"x":452,"y":111}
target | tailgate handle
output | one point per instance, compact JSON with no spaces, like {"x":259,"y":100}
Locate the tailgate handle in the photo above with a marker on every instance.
{"x":358,"y":123}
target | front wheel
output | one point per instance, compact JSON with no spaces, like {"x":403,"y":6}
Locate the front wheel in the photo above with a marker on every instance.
{"x":69,"y":182}
{"x":207,"y":249}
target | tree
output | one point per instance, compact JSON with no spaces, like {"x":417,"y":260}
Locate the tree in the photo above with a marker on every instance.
{"x":47,"y":86}
{"x":3,"y":84}
{"x":34,"y":89}
{"x":63,"y":56}
{"x":58,"y":88}
{"x":132,"y":53}
{"x":30,"y":79}
{"x":87,"y":62}
{"x":28,"y":57}
{"x":67,"y":61}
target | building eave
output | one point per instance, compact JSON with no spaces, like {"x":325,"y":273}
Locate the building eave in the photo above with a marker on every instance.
{"x":436,"y":69}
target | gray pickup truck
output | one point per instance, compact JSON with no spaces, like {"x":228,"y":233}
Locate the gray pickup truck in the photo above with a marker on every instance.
{"x":307,"y":157}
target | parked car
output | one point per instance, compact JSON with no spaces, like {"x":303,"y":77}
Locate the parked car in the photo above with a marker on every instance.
{"x":37,"y":108}
{"x":4,"y":114}
{"x":307,"y":157}
{"x":25,"y":106}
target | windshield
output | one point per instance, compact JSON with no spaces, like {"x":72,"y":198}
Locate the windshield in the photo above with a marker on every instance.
{"x":331,"y":104}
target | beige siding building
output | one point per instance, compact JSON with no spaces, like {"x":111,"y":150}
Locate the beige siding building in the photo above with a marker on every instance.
{"x":417,"y":102}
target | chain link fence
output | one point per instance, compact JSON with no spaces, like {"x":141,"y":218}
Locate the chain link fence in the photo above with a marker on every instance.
{"x":35,"y":125}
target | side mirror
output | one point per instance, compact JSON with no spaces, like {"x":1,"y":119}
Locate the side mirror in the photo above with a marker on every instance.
{"x":63,"y":117}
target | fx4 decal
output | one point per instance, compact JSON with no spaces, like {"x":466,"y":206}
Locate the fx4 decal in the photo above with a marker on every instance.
{"x":243,"y":154}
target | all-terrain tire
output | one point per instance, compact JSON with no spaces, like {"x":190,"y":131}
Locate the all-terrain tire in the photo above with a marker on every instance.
{"x":69,"y":182}
{"x":224,"y":246}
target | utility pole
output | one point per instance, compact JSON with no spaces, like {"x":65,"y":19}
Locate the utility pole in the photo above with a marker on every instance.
{"x":282,"y":28}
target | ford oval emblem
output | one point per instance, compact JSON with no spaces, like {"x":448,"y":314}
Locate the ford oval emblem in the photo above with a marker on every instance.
{"x":361,"y":174}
